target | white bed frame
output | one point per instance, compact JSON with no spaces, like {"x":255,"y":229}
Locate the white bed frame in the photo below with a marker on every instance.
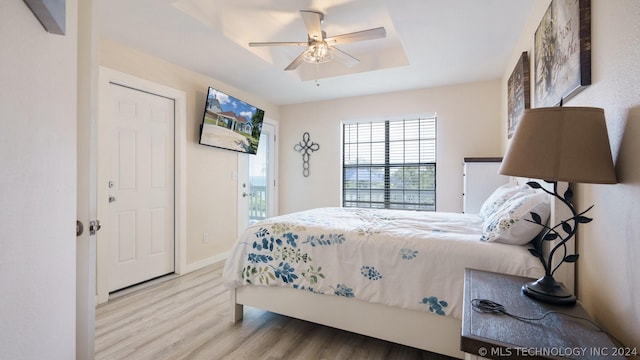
{"x":435,"y":333}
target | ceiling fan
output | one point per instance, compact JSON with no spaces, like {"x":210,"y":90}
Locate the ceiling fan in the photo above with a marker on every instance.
{"x":320,"y":48}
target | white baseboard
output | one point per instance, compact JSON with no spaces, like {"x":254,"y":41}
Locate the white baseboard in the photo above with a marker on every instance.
{"x":189,"y":268}
{"x":206,"y":262}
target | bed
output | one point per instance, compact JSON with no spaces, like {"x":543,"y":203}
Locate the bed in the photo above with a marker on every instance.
{"x":396,"y":275}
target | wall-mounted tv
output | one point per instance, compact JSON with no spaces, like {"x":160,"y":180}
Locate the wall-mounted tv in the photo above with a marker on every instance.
{"x":229,"y":123}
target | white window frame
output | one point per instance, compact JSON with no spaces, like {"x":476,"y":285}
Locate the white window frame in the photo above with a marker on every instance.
{"x":414,"y":149}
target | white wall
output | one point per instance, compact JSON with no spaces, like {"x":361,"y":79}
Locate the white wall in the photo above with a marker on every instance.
{"x":212,"y":203}
{"x":37,"y":185}
{"x":608,"y":280}
{"x":468,"y":125}
{"x":86,"y":180}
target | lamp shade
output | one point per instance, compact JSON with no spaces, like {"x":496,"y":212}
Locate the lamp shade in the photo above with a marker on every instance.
{"x":561,"y":144}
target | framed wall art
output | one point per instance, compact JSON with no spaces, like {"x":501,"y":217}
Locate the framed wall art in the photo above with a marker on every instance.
{"x":50,"y":13}
{"x":562,"y":52}
{"x":518,"y":98}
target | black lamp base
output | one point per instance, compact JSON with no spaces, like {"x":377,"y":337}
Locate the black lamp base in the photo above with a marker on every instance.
{"x":547,"y":289}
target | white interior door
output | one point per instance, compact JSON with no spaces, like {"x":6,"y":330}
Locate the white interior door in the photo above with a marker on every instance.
{"x":257,"y":179}
{"x":137,"y":181}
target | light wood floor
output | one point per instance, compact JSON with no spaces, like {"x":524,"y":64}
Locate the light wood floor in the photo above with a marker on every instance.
{"x":188,"y":317}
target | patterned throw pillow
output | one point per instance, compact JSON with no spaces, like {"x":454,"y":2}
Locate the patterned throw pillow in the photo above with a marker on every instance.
{"x":509,"y":224}
{"x":500,"y":196}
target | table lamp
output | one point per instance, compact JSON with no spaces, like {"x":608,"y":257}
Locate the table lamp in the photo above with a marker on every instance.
{"x":567,"y":144}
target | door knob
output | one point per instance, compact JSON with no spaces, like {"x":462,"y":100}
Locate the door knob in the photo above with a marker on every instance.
{"x":112,"y":198}
{"x":244,"y":194}
{"x":79,"y":228}
{"x":94,"y":225}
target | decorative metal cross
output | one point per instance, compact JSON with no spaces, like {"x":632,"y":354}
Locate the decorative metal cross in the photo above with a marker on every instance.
{"x":306,"y":147}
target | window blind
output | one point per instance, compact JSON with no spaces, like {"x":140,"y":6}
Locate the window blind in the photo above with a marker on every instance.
{"x":390,"y":164}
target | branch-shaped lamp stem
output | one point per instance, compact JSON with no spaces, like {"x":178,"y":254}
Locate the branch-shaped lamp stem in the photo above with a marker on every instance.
{"x":546,"y":288}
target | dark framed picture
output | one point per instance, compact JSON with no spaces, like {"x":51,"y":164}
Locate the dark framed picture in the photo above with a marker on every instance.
{"x":50,"y":13}
{"x":562,"y":52}
{"x":518,"y":97}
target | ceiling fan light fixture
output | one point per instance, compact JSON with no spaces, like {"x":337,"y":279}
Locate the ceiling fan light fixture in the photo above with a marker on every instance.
{"x":318,"y":50}
{"x":317,"y":53}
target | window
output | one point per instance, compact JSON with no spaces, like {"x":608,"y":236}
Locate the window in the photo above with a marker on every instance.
{"x":390,"y":164}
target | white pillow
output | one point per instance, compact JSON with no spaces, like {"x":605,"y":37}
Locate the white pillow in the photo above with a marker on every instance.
{"x":500,"y":196}
{"x":509,"y":224}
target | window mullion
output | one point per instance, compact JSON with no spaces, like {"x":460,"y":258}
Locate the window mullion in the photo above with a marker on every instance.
{"x":387,"y":171}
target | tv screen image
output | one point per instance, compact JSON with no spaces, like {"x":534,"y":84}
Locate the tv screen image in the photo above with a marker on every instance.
{"x":230,"y":123}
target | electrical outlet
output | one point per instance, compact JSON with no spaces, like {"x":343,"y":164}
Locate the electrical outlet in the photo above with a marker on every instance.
{"x":205,"y":238}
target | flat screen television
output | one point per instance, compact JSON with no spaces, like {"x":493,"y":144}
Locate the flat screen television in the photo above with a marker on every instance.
{"x":229,"y":123}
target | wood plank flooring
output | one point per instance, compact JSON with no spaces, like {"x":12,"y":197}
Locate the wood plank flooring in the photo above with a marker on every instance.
{"x":188,"y":317}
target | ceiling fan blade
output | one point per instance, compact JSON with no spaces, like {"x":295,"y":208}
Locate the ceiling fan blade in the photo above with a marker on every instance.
{"x":344,"y":58}
{"x":370,"y":34}
{"x":296,"y":62}
{"x":278,"y":43}
{"x":312,"y":20}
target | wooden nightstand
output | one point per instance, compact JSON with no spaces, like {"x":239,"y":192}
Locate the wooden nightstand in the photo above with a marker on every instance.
{"x":498,"y":336}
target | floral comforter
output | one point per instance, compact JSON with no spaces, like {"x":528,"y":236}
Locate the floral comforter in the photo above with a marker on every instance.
{"x":408,"y":259}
